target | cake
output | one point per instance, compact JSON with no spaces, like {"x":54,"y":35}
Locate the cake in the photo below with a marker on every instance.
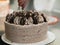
{"x":26,"y":27}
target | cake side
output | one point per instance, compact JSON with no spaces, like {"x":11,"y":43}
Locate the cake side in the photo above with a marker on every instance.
{"x":21,"y":34}
{"x":26,"y":27}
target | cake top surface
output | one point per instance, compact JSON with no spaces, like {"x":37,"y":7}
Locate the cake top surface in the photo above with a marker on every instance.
{"x":26,"y":17}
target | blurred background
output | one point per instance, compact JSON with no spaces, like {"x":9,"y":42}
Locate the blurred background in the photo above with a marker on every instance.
{"x":50,"y":7}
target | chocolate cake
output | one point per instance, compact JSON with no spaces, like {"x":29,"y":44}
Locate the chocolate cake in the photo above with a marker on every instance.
{"x":26,"y":27}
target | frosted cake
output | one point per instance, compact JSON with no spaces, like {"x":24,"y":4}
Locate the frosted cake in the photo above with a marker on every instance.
{"x":26,"y":27}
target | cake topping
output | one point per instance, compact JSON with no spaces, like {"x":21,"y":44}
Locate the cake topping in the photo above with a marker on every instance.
{"x":10,"y":18}
{"x":25,"y":18}
{"x":41,"y":19}
{"x":35,"y":18}
{"x":44,"y":17}
{"x":17,"y":20}
{"x":22,"y":21}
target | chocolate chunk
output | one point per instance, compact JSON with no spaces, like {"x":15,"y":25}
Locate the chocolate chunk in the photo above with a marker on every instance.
{"x":36,"y":13}
{"x":29,"y":14}
{"x":22,"y":21}
{"x":44,"y":17}
{"x":7,"y":17}
{"x":35,"y":18}
{"x":18,"y":14}
{"x":23,"y":15}
{"x":35,"y":21}
{"x":11,"y":19}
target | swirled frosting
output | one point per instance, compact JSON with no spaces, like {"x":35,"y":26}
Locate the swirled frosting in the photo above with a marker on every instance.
{"x":25,"y":17}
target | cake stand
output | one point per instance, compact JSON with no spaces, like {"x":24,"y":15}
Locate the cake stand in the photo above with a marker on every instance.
{"x":50,"y":38}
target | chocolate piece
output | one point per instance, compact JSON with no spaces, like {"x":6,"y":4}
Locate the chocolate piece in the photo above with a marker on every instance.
{"x":35,"y":21}
{"x":18,"y":14}
{"x":23,"y":14}
{"x":22,"y":21}
{"x":36,"y":13}
{"x":7,"y":17}
{"x":35,"y":18}
{"x":29,"y":14}
{"x":11,"y":19}
{"x":44,"y":17}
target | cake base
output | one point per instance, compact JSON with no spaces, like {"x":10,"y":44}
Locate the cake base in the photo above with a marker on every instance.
{"x":50,"y":38}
